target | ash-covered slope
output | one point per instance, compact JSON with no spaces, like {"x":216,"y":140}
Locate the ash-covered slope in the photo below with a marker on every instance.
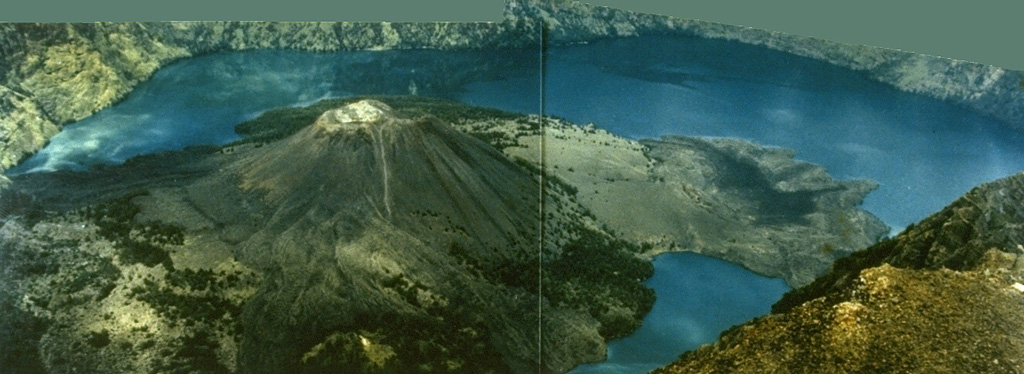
{"x":946,"y":295}
{"x":361,"y":161}
{"x":358,"y":219}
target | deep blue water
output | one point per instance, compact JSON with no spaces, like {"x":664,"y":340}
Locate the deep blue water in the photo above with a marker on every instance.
{"x":924,"y":153}
{"x":698,"y":298}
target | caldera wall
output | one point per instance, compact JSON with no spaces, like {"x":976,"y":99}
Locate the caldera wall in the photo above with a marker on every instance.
{"x":55,"y":74}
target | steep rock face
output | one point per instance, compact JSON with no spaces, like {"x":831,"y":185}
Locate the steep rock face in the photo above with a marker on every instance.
{"x":943,"y":296}
{"x":23,"y":127}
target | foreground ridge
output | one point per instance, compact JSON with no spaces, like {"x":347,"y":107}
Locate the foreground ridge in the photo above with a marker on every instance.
{"x":945,"y":295}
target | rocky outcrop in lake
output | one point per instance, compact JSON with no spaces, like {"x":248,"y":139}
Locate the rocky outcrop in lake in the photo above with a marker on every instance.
{"x":945,"y":295}
{"x":727,"y":198}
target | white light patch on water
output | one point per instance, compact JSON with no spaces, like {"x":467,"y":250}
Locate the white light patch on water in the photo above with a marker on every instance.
{"x":689,"y":330}
{"x":999,"y":163}
{"x":200,"y":100}
{"x":101,"y":137}
{"x":783,"y":116}
{"x":866,"y":157}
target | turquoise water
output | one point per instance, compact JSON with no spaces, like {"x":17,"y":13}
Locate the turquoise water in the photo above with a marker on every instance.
{"x":923,"y":152}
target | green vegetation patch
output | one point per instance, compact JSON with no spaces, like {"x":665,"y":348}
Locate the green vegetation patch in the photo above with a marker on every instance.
{"x":68,"y":275}
{"x":596,"y":273}
{"x":20,"y":332}
{"x":191,"y":296}
{"x":599,"y":274}
{"x":46,"y":275}
{"x":115,"y":219}
{"x":16,"y":203}
{"x":455,"y":340}
{"x":195,"y":353}
{"x":199,"y":301}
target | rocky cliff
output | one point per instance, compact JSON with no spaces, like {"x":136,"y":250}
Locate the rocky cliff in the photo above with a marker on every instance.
{"x":945,"y":295}
{"x":54,"y":74}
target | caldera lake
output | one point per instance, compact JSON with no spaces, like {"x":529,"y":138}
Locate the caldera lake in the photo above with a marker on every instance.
{"x":923,"y":152}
